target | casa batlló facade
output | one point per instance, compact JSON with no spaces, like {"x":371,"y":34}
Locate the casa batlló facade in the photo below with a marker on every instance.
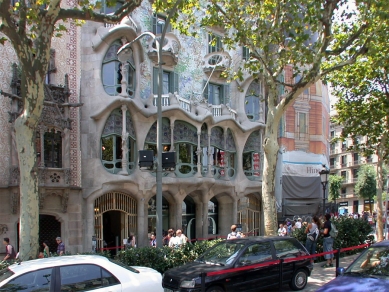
{"x":100,"y":111}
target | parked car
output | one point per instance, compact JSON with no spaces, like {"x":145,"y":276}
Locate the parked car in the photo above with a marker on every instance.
{"x":78,"y":273}
{"x":244,"y":264}
{"x":368,"y":272}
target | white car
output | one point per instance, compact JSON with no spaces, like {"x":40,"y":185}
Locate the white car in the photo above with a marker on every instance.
{"x":78,"y":273}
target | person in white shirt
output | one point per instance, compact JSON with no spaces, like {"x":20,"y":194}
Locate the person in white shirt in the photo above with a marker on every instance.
{"x":298,"y":223}
{"x":178,"y":240}
{"x":282,"y":230}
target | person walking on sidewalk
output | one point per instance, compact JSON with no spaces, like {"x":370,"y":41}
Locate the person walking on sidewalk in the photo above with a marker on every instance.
{"x":312,"y":228}
{"x":328,"y":242}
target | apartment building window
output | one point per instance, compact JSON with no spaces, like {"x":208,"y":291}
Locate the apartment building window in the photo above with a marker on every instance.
{"x":245,"y":53}
{"x":356,"y":158}
{"x":355,"y":174}
{"x":217,"y":93}
{"x":169,"y":81}
{"x":344,"y":160}
{"x":302,"y":125}
{"x":252,"y":100}
{"x":369,"y":159}
{"x":112,"y":72}
{"x":159,"y":22}
{"x":214,"y":43}
{"x":332,"y":134}
{"x":343,"y":174}
{"x":332,"y":162}
{"x":343,"y":192}
{"x":297,"y":80}
{"x":53,"y":149}
{"x":344,"y":145}
{"x":332,"y":147}
{"x":280,"y":86}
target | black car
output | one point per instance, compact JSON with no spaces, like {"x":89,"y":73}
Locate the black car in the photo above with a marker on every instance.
{"x":245,"y":264}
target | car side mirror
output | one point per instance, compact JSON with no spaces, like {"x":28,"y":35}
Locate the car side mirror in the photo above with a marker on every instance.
{"x":340,"y":271}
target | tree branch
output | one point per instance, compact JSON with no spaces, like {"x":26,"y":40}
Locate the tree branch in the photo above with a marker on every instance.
{"x":89,"y":14}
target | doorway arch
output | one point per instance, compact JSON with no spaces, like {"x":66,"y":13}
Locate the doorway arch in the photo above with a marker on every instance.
{"x":125,"y":216}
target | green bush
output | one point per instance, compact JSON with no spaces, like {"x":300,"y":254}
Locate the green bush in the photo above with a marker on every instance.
{"x":162,"y":259}
{"x":351,"y":232}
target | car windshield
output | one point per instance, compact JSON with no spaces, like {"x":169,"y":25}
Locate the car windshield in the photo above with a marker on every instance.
{"x":373,"y":262}
{"x":223,"y":253}
{"x":124,"y":266}
{"x":5,"y":274}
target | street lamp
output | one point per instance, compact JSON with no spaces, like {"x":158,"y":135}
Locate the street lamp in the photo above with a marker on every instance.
{"x":159,"y":44}
{"x":324,"y":181}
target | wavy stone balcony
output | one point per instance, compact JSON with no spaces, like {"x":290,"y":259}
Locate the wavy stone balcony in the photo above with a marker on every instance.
{"x":216,"y":62}
{"x":170,"y":49}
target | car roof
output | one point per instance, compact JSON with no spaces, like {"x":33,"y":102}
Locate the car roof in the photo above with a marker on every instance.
{"x":381,"y":243}
{"x":37,"y":264}
{"x":260,"y":239}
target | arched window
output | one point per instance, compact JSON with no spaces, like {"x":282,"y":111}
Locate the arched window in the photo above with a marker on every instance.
{"x":111,"y":142}
{"x":112,"y":72}
{"x":253,"y":101}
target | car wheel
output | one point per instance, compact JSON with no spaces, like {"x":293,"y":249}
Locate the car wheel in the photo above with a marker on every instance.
{"x":299,"y":280}
{"x":215,"y":289}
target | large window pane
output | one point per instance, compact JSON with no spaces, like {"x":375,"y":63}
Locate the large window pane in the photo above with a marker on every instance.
{"x":33,"y":282}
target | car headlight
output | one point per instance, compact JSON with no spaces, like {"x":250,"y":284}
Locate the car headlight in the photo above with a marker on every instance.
{"x":188,"y":284}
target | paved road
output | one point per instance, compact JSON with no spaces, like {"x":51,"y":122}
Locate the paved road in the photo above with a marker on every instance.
{"x":320,"y":276}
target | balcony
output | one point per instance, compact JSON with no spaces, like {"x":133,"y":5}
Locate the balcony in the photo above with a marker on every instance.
{"x":187,"y":105}
{"x":170,"y":49}
{"x":216,"y":62}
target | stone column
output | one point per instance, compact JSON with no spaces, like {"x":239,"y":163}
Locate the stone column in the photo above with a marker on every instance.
{"x":124,"y":170}
{"x":199,"y":152}
{"x":172,"y":135}
{"x":199,"y":220}
{"x":141,"y":234}
{"x":205,"y":217}
{"x":210,"y":174}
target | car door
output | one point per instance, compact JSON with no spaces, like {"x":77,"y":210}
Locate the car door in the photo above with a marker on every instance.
{"x":251,"y":277}
{"x":284,"y":249}
{"x":88,"y":277}
{"x":37,"y":280}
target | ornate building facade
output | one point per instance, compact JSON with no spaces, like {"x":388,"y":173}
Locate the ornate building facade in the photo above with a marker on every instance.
{"x":95,"y":123}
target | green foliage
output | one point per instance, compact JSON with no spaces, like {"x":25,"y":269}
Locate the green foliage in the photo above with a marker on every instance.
{"x":366,"y":184}
{"x":335,"y":183}
{"x":351,"y":232}
{"x":162,"y":259}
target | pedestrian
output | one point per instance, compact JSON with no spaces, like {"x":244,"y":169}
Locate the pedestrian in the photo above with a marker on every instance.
{"x":298,"y":223}
{"x":46,"y":250}
{"x":167,"y":237}
{"x":10,"y":253}
{"x":131,"y":242}
{"x":178,"y":240}
{"x":61,"y":246}
{"x":153,"y":240}
{"x":281,"y":230}
{"x":328,"y":242}
{"x":312,"y":228}
{"x":234,"y":234}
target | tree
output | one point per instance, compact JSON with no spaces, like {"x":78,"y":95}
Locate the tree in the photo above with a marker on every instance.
{"x":30,"y":27}
{"x":296,"y":37}
{"x":366,"y":185}
{"x":335,"y":183}
{"x":362,"y":106}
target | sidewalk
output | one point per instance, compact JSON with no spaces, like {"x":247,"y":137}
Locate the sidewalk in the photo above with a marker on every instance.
{"x":321,"y":276}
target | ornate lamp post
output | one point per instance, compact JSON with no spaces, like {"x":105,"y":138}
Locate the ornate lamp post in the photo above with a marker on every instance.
{"x":159,"y":44}
{"x":324,"y":181}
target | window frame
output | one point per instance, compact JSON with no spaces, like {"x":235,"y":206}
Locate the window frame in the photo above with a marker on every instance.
{"x":217,"y":40}
{"x":173,"y":81}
